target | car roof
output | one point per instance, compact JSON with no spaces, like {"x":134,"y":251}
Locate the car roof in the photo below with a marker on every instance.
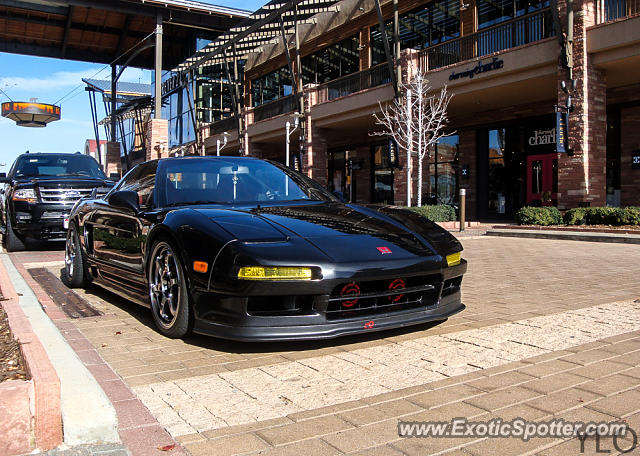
{"x":53,"y":154}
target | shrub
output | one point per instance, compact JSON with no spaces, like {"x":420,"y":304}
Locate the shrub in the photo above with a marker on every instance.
{"x":439,"y":213}
{"x":544,"y":216}
{"x":615,"y":216}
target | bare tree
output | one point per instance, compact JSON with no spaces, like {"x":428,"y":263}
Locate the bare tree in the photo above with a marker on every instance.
{"x":418,"y":118}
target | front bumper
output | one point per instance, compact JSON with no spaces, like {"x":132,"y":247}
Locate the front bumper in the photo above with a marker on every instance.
{"x":40,"y":220}
{"x":233,"y":321}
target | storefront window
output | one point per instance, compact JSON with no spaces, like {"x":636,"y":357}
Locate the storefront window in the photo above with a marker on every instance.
{"x":332,"y":62}
{"x":382,"y":174}
{"x":435,"y":23}
{"x":492,"y":12}
{"x":443,"y":166}
{"x":213,"y":91}
{"x":272,"y":86}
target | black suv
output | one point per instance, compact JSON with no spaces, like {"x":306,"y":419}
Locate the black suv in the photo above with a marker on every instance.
{"x":40,"y":191}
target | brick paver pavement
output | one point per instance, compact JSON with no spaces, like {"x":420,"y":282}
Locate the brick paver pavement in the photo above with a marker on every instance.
{"x":515,"y":287}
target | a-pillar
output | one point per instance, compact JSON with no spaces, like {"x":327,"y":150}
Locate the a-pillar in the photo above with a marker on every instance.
{"x":582,"y":177}
{"x":156,"y":139}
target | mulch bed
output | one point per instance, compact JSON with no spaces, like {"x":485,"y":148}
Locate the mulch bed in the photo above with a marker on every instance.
{"x":12,"y":366}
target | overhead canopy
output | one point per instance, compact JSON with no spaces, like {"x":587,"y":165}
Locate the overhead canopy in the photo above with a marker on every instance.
{"x":260,"y":28}
{"x":102,"y":30}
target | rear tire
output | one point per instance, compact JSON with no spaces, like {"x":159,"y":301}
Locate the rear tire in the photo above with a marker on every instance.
{"x":168,"y":291}
{"x":75,"y":273}
{"x":12,"y":241}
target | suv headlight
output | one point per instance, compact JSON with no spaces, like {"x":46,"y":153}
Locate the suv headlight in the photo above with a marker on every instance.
{"x":25,"y":194}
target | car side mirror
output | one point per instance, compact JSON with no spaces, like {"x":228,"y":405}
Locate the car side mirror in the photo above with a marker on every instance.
{"x":125,"y":199}
{"x":3,"y":178}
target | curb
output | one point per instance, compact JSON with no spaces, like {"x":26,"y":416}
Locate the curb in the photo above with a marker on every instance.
{"x":87,"y":414}
{"x":565,"y":236}
{"x":46,"y":384}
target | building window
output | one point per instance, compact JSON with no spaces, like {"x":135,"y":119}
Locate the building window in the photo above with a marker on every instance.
{"x":271,"y":86}
{"x":332,"y":62}
{"x":382,"y":171}
{"x":442,"y":186}
{"x":214,"y":92}
{"x":435,"y":23}
{"x":492,"y":12}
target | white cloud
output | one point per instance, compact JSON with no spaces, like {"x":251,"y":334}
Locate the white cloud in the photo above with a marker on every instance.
{"x":67,"y":80}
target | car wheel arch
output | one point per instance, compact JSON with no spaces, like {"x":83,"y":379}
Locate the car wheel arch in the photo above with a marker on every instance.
{"x":163,"y":232}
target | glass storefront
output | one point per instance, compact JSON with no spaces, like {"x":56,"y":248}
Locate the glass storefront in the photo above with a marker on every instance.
{"x":442,"y":184}
{"x":382,"y":170}
{"x":517,"y":166}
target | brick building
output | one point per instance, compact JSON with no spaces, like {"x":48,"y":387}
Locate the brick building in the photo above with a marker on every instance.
{"x":505,"y":61}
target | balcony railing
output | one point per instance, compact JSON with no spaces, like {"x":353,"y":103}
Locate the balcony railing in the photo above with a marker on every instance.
{"x":516,"y":32}
{"x":274,"y":108}
{"x":610,"y":10}
{"x":222,"y":125}
{"x":352,"y":83}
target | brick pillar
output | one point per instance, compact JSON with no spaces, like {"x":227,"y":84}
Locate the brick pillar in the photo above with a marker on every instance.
{"x":365,"y":45}
{"x":582,"y":177}
{"x":156,"y":141}
{"x":112,"y":163}
{"x":467,"y":157}
{"x":314,"y":160}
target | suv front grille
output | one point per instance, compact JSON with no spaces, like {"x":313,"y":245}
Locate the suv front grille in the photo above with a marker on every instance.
{"x":63,"y":195}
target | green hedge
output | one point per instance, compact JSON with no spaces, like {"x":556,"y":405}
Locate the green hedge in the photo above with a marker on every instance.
{"x":615,"y":216}
{"x":439,"y":213}
{"x":544,"y":216}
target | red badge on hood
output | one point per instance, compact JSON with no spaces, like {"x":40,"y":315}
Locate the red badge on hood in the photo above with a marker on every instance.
{"x":384,"y":250}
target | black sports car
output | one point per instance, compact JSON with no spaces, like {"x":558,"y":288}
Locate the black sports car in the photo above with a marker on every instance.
{"x":246,"y":249}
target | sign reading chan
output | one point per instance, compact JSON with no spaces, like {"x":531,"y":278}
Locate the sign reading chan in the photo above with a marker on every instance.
{"x":635,"y":159}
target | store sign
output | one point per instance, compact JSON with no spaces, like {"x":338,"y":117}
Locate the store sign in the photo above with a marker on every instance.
{"x":635,"y":159}
{"x":562,"y":138}
{"x":173,"y":83}
{"x":542,"y":137}
{"x":393,"y":153}
{"x":495,"y":64}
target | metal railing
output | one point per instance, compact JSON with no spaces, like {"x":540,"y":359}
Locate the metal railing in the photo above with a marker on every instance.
{"x":355,"y":82}
{"x":516,"y":32}
{"x":610,"y":10}
{"x":274,"y":108}
{"x":222,"y":125}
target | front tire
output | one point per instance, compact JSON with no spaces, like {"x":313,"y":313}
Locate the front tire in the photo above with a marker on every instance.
{"x":75,"y":273}
{"x":168,"y":291}
{"x":12,"y":241}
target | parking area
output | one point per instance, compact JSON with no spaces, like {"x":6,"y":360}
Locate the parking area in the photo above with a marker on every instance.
{"x":552,"y":328}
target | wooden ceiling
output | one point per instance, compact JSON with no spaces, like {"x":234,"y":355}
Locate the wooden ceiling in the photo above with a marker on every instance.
{"x":102,"y":31}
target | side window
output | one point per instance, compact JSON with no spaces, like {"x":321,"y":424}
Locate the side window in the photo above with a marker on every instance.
{"x":141,"y":179}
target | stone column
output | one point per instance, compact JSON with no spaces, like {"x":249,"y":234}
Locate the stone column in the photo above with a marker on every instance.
{"x":582,"y":177}
{"x":156,"y":141}
{"x":112,"y":163}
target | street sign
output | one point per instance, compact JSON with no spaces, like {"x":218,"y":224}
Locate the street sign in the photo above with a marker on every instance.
{"x":562,"y":138}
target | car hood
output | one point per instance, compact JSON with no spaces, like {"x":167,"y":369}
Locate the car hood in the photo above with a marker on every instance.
{"x":338,"y":230}
{"x":64,"y":181}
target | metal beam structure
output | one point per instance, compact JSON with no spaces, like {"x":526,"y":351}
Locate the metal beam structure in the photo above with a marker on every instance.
{"x":387,"y":51}
{"x":157,"y":103}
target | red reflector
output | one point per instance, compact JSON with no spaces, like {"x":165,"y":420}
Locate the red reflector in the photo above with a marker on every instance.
{"x":384,"y":250}
{"x":397,"y":284}
{"x":350,"y":289}
{"x":369,"y":324}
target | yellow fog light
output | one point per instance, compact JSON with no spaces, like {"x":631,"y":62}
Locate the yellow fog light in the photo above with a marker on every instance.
{"x":274,"y":273}
{"x":453,"y":259}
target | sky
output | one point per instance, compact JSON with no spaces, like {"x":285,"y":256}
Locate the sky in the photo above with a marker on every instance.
{"x":59,"y":82}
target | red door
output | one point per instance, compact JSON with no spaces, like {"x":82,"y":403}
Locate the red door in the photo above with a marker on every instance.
{"x":542,"y":180}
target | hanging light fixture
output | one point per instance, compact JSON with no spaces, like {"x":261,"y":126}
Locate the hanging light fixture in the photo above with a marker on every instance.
{"x":30,"y":114}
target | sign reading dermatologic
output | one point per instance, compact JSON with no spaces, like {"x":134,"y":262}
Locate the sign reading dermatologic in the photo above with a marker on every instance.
{"x":176,"y":81}
{"x":494,"y":64}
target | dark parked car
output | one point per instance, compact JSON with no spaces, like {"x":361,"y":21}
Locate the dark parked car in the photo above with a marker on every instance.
{"x":247,"y":249}
{"x":39,"y":192}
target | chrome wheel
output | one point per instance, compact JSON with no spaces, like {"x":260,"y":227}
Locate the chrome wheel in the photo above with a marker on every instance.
{"x":165,"y":279}
{"x":70,"y":253}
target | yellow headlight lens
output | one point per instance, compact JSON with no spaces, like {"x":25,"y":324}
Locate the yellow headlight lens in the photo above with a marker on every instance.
{"x":274,"y":273}
{"x":453,"y":259}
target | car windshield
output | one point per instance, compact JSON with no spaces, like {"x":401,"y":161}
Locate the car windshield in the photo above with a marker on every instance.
{"x":235,"y":181}
{"x":58,"y":165}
